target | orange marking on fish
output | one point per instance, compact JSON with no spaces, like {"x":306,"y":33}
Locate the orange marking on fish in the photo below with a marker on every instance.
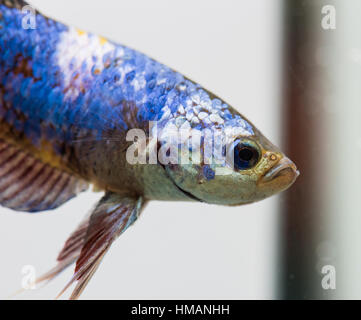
{"x":102,"y":41}
{"x":80,"y":32}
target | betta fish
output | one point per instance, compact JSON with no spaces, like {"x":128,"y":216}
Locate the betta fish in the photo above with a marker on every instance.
{"x":78,"y":110}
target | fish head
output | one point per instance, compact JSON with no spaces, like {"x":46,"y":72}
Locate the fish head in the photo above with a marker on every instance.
{"x":250,"y":168}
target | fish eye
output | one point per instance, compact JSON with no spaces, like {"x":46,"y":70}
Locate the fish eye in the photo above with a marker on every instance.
{"x":246,"y":156}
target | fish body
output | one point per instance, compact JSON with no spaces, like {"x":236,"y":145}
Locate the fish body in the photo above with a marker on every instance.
{"x":69,"y":101}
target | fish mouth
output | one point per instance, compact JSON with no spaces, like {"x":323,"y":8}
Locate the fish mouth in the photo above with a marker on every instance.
{"x":282,"y":175}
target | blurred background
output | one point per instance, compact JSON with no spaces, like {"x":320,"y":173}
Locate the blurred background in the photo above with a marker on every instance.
{"x":320,"y":239}
{"x":299,"y":83}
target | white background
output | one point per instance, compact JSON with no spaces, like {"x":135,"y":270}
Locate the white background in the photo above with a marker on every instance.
{"x":176,"y":250}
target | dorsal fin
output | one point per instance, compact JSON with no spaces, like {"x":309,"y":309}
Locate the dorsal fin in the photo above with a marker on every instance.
{"x":28,"y":184}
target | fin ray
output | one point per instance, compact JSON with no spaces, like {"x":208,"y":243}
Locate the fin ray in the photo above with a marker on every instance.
{"x":89,"y":243}
{"x":111,"y":217}
{"x":28,"y":184}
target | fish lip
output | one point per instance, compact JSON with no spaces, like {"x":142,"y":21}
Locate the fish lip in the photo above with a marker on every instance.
{"x":280,"y":168}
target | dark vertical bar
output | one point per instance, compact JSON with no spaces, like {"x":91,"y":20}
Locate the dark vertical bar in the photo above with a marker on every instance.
{"x":303,"y":227}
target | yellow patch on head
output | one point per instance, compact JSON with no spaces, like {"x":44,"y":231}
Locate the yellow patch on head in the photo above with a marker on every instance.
{"x":80,"y":32}
{"x":102,"y":41}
